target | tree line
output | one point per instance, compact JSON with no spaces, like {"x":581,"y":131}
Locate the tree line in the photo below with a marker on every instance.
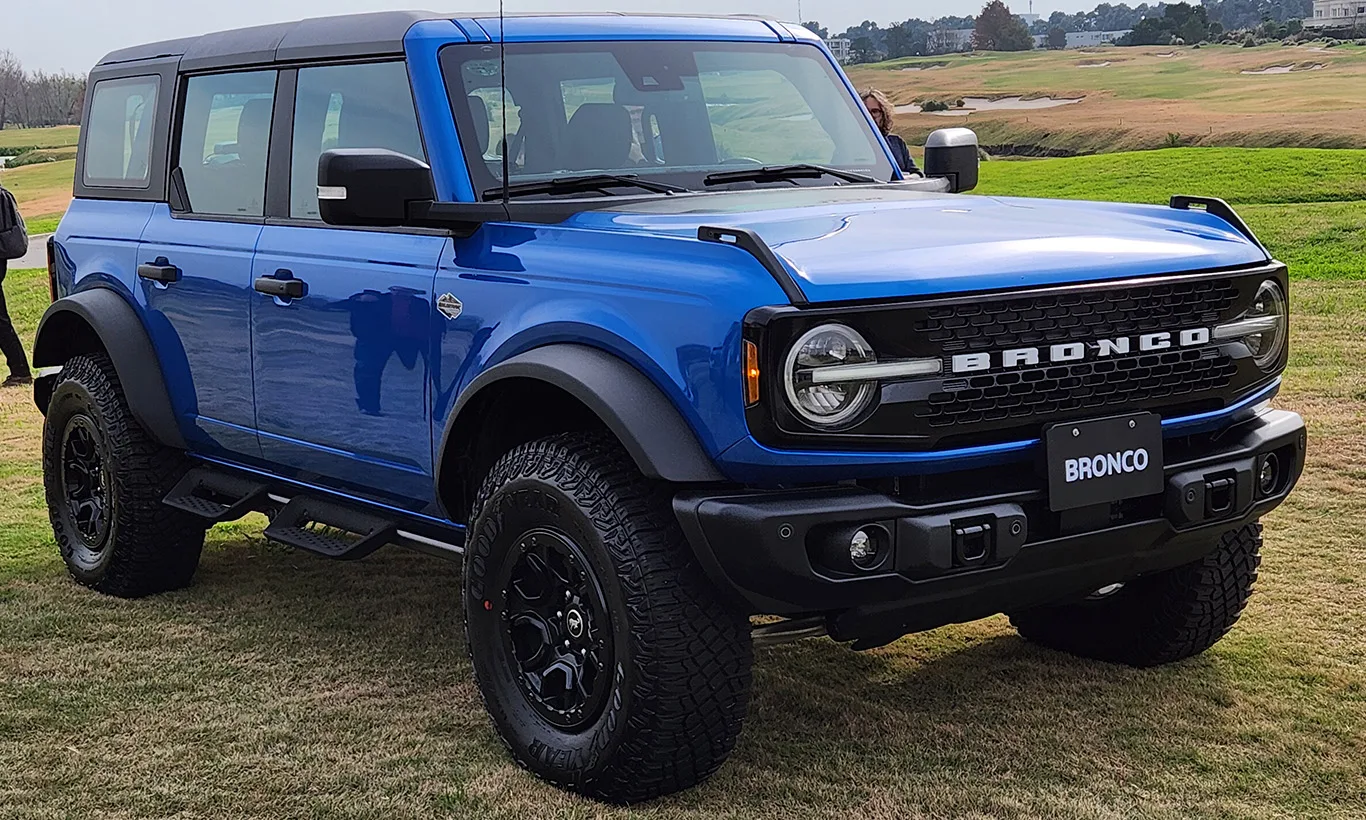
{"x":1002,"y":31}
{"x":36,"y":99}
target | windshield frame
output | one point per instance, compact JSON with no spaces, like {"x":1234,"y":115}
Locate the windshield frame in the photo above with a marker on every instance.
{"x":486,"y":183}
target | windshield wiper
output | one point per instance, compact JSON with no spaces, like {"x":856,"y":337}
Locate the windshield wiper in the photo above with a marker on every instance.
{"x":785,"y":173}
{"x":582,"y":184}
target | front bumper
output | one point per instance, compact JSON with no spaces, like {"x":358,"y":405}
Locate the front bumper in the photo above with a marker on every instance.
{"x":971,"y":557}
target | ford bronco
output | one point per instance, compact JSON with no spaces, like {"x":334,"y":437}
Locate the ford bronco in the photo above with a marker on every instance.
{"x":636,"y":315}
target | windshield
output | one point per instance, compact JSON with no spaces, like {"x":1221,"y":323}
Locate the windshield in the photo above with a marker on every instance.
{"x":668,"y":112}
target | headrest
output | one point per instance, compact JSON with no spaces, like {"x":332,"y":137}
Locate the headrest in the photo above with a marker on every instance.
{"x":599,"y":136}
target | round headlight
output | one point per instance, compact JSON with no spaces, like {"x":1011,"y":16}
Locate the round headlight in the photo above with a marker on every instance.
{"x":1266,"y":346}
{"x":821,"y":401}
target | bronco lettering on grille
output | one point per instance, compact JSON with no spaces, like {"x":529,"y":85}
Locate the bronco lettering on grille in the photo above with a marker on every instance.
{"x":1079,"y":351}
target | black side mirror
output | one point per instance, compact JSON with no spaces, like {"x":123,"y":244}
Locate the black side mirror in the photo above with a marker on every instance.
{"x":371,"y":187}
{"x":951,"y":153}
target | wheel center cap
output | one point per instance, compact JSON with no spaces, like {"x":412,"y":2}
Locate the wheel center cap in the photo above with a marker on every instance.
{"x":573,"y":621}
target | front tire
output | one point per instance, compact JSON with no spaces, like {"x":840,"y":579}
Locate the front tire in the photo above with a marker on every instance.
{"x":607,"y":660}
{"x":105,"y":480}
{"x":1159,"y":619}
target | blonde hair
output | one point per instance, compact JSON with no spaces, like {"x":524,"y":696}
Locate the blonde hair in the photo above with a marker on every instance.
{"x":888,"y":110}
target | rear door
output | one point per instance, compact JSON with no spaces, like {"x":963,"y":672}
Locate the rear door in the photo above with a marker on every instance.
{"x":195,"y":256}
{"x":341,"y":373}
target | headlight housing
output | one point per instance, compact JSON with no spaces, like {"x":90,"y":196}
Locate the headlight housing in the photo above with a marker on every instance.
{"x":1264,"y":327}
{"x":821,"y":403}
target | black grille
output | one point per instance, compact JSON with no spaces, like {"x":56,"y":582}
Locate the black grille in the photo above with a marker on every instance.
{"x":1014,"y":403}
{"x":1064,"y":390}
{"x":1069,"y":317}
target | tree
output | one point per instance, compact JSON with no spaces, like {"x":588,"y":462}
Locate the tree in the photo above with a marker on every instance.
{"x":1179,"y":21}
{"x":863,"y":50}
{"x":38,"y":99}
{"x":1057,"y":38}
{"x":11,"y":87}
{"x":997,"y":29}
{"x":817,"y":29}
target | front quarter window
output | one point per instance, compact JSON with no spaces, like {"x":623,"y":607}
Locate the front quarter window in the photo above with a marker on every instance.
{"x":673,"y":113}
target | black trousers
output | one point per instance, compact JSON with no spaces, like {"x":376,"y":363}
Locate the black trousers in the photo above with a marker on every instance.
{"x":9,"y":340}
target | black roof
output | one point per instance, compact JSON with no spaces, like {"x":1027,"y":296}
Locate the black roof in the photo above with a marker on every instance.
{"x":353,"y":35}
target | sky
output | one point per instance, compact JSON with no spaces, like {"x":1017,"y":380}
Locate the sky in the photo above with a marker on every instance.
{"x":72,"y":35}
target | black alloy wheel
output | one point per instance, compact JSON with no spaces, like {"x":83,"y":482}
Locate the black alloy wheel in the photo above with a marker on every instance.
{"x":85,"y":481}
{"x":557,"y":630}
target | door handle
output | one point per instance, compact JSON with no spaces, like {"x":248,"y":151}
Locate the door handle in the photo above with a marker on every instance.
{"x":282,"y":285}
{"x":161,"y":270}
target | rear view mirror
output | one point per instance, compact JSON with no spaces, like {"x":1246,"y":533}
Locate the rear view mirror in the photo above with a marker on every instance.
{"x":371,"y":187}
{"x":951,"y":153}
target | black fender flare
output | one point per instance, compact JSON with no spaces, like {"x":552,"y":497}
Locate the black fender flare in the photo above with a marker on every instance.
{"x":124,"y":337}
{"x":637,"y":412}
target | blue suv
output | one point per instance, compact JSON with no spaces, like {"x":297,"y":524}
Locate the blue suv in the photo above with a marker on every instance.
{"x":637,"y":316}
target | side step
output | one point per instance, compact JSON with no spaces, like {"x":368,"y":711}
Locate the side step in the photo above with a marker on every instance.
{"x":329,"y":529}
{"x":214,"y":496}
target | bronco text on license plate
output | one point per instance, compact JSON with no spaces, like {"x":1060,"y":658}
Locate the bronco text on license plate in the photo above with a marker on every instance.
{"x":1097,"y":462}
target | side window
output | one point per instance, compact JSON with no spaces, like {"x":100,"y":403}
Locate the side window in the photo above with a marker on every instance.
{"x":224,"y":142}
{"x":118,"y":140}
{"x":348,"y":106}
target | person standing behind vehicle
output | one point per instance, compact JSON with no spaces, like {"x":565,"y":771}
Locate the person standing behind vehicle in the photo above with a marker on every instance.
{"x":13,"y":245}
{"x":880,"y":106}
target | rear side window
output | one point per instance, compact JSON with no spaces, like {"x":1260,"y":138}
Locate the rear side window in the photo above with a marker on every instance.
{"x":348,"y":106}
{"x":224,"y":142}
{"x":118,"y":139}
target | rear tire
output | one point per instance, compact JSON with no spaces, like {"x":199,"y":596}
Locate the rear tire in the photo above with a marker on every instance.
{"x":105,"y":480}
{"x":607,"y":660}
{"x":1161,"y":618}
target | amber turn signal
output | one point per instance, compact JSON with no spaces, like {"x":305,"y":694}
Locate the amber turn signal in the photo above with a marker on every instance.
{"x":751,"y":374}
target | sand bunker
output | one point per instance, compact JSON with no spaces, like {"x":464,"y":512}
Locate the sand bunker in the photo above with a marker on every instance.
{"x":974,"y":104}
{"x":930,"y":67}
{"x":1094,"y":65}
{"x":1282,"y":69}
{"x":1168,"y":54}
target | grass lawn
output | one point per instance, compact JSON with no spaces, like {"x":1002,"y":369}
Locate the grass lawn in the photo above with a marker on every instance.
{"x":285,"y":685}
{"x":1307,"y":205}
{"x":62,"y":136}
{"x":43,"y":191}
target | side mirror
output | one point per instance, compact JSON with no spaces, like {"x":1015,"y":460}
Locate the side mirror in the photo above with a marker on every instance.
{"x":371,"y":187}
{"x":951,"y":153}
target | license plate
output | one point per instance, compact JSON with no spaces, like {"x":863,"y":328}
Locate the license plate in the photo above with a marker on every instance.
{"x":1097,"y":462}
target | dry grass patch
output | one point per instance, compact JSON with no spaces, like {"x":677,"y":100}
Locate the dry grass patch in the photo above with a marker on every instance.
{"x":1143,"y":95}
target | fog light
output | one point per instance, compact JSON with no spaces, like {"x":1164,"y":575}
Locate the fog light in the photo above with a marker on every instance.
{"x":862,"y":548}
{"x":867,"y":548}
{"x":1270,"y":474}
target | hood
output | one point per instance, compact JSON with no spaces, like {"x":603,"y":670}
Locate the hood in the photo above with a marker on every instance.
{"x":877,"y":242}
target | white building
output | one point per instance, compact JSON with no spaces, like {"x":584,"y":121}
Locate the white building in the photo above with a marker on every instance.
{"x":1087,"y":39}
{"x":839,"y":46}
{"x":1337,"y":13}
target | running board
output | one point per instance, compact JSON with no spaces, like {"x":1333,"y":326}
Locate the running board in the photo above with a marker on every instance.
{"x":330,"y":530}
{"x":215,"y":496}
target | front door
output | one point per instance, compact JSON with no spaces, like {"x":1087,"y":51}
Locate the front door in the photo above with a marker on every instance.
{"x":341,"y":365}
{"x":195,"y":263}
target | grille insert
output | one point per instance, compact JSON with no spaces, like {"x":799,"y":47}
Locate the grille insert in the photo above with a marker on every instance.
{"x":1074,"y":317}
{"x":1065,"y":389}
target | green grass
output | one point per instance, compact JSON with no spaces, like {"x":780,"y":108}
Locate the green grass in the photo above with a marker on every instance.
{"x":1245,"y":176}
{"x":283,"y":685}
{"x":1307,"y":205}
{"x":47,"y":224}
{"x":64,"y":136}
